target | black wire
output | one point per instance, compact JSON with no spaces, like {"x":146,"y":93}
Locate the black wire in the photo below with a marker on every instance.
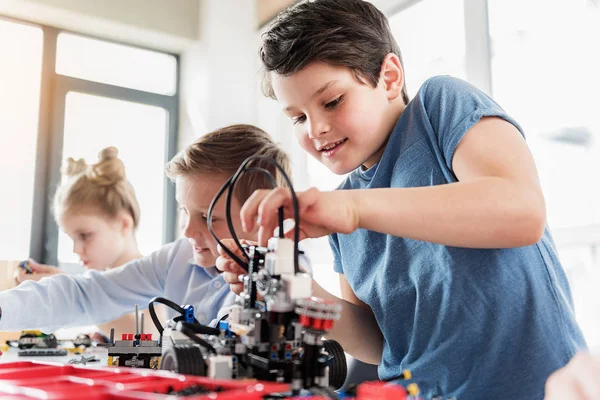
{"x":232,"y":232}
{"x":168,"y":303}
{"x":202,"y":329}
{"x":211,"y":207}
{"x":238,"y":174}
{"x":181,"y":327}
{"x":223,"y":318}
{"x":231,"y":182}
{"x":273,"y":185}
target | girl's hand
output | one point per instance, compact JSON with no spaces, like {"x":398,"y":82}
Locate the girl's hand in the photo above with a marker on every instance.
{"x":39,"y":271}
{"x":321,"y":213}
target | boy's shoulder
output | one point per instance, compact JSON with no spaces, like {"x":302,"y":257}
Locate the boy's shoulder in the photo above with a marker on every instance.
{"x":441,"y":87}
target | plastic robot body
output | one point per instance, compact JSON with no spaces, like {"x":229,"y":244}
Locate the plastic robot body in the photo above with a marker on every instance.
{"x":273,"y":333}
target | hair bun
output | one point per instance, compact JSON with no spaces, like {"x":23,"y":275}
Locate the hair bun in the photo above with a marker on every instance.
{"x":108,"y":153}
{"x":74,"y":167}
{"x":109,"y":169}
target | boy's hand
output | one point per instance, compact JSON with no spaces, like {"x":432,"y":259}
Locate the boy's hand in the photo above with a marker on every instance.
{"x":231,"y":270}
{"x":321,"y":213}
{"x":578,"y":380}
{"x":39,"y":271}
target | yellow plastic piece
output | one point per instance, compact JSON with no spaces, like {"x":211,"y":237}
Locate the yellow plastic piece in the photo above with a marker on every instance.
{"x":33,"y":332}
{"x":413,"y":389}
{"x":75,"y":350}
{"x":109,"y":361}
{"x":154,"y":362}
{"x":4,"y":347}
{"x":407,"y":374}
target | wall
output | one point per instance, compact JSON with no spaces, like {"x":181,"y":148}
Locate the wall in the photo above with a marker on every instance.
{"x":219,"y":73}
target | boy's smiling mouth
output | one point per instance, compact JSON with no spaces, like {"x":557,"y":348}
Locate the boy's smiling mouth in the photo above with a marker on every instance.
{"x":329,"y":149}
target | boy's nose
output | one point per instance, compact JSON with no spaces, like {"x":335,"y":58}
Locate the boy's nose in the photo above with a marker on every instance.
{"x":77,"y":248}
{"x":317,"y":128}
{"x":193,"y":230}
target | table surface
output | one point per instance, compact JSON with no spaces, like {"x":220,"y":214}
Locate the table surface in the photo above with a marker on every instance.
{"x":101,"y":353}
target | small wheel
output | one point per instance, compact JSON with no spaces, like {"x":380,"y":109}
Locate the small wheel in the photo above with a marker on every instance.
{"x":184,"y":359}
{"x":338,"y":370}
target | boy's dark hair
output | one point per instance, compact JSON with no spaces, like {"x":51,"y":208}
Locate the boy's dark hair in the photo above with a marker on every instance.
{"x":344,"y":33}
{"x":223,"y":151}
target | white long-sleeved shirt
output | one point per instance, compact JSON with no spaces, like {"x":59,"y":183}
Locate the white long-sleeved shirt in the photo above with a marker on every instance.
{"x":97,"y":297}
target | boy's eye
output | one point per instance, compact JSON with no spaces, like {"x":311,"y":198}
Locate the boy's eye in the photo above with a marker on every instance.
{"x":299,"y":120}
{"x":84,"y":236}
{"x":205,"y":218}
{"x":334,"y":103}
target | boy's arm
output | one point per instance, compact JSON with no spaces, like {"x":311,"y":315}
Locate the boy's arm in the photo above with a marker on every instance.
{"x":356,"y":330}
{"x":92,"y":298}
{"x":497,"y":201}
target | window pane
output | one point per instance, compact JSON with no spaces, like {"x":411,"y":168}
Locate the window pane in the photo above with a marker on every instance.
{"x":138,"y":131}
{"x":431,"y":36}
{"x":20,"y":74}
{"x":545,"y":67}
{"x":115,"y":64}
{"x":547,"y":78}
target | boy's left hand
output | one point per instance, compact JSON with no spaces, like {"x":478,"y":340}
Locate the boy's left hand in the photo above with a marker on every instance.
{"x":578,"y":380}
{"x":321,"y":213}
{"x":231,"y":270}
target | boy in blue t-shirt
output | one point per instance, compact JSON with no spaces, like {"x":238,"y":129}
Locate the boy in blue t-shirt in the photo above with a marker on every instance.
{"x":446,"y":265}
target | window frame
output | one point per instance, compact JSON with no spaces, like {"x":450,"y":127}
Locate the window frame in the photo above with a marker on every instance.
{"x":48,"y":153}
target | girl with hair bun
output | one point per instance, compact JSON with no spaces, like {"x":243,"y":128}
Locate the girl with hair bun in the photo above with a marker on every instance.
{"x":97,"y":208}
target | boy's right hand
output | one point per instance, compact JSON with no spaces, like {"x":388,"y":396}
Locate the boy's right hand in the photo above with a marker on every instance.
{"x":321,"y":213}
{"x":231,"y":270}
{"x":39,"y":271}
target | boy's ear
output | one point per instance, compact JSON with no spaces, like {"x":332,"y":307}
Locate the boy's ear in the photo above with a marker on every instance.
{"x":392,"y":76}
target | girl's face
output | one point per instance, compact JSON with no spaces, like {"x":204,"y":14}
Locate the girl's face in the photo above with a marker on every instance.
{"x":98,"y":240}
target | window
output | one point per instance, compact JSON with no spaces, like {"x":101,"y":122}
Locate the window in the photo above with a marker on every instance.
{"x":137,"y":131}
{"x":545,"y":65}
{"x":116,"y":64}
{"x":66,"y":95}
{"x":431,"y":36}
{"x":20,"y":75}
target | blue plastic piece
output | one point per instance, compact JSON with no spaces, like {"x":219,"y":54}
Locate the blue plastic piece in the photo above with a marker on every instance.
{"x":188,"y":314}
{"x":224,"y":326}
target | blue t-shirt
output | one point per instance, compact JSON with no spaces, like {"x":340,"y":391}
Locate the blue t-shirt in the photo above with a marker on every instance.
{"x":471,"y":323}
